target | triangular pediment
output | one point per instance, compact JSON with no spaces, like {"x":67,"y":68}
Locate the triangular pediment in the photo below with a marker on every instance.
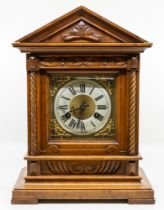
{"x":81,"y":25}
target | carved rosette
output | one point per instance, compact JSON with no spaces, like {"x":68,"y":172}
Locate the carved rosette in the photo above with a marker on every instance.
{"x":33,"y":111}
{"x":53,"y":149}
{"x":83,"y":167}
{"x":132,"y":113}
{"x":112,"y":150}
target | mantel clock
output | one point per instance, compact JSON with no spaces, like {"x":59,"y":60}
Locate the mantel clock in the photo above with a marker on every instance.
{"x":83,"y":103}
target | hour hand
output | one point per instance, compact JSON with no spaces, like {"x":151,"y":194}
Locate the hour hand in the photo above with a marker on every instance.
{"x":66,"y":116}
{"x":81,"y":108}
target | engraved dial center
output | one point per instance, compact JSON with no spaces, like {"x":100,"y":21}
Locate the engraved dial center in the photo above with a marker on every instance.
{"x":82,"y":106}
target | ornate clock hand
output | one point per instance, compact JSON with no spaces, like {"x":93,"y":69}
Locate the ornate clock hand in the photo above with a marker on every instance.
{"x":67,"y":115}
{"x":82,"y":107}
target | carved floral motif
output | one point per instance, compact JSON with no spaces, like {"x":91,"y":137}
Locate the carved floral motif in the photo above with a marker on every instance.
{"x":81,"y":31}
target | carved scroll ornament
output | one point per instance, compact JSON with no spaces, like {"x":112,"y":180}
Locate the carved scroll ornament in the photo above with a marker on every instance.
{"x":80,"y":62}
{"x":83,"y":167}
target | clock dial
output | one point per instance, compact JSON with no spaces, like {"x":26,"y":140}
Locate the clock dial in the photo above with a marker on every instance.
{"x":82,"y":107}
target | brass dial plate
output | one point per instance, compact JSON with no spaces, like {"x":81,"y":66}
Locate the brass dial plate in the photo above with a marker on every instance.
{"x":87,"y":105}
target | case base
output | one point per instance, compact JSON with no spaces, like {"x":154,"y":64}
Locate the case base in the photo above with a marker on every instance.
{"x":133,"y":192}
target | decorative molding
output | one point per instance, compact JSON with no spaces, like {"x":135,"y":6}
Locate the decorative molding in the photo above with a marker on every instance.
{"x":132,"y":113}
{"x":33,"y":112}
{"x":82,"y":62}
{"x":83,"y":167}
{"x":81,"y":31}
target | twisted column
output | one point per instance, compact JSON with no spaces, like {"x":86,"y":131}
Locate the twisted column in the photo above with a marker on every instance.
{"x":33,"y":111}
{"x":132,"y":113}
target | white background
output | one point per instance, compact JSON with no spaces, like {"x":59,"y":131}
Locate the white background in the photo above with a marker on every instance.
{"x":17,"y":18}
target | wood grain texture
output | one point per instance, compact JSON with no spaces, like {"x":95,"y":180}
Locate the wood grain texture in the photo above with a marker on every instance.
{"x":81,"y":43}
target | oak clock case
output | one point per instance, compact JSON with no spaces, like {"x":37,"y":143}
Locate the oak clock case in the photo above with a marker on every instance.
{"x":83,"y":108}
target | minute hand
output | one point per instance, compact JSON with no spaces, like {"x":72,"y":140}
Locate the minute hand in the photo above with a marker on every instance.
{"x":80,"y":108}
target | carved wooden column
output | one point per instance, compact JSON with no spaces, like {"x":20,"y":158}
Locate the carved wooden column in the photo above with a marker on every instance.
{"x":33,"y":112}
{"x":132,"y":75}
{"x":133,"y":67}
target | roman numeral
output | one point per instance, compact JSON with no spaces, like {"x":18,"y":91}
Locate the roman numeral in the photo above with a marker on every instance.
{"x":66,"y":98}
{"x":99,"y":97}
{"x":81,"y":125}
{"x":63,"y":107}
{"x":98,"y":116}
{"x":82,"y":88}
{"x":91,"y":90}
{"x":101,"y":106}
{"x":66,"y":116}
{"x":72,"y":90}
{"x":72,"y":123}
{"x":93,"y":124}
